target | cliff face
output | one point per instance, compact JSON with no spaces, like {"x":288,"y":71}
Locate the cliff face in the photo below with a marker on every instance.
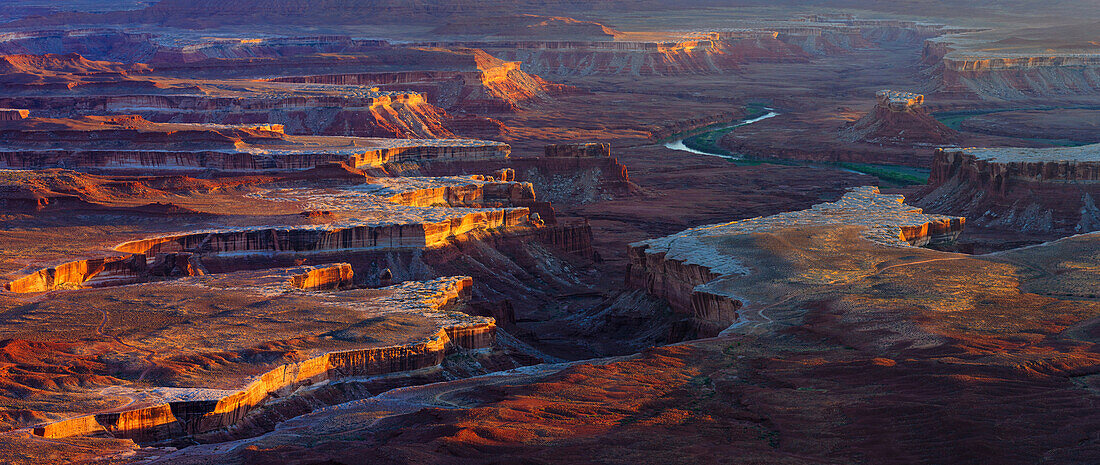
{"x":70,"y":85}
{"x":493,"y":87}
{"x":588,"y":150}
{"x":12,"y":114}
{"x":217,"y":409}
{"x":567,"y":173}
{"x":94,"y":272}
{"x":702,"y":55}
{"x":697,"y":275}
{"x":1036,"y":190}
{"x":96,"y":143}
{"x":1012,"y":75}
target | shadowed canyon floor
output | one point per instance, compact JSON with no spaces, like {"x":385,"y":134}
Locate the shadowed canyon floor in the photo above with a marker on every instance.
{"x":250,"y":232}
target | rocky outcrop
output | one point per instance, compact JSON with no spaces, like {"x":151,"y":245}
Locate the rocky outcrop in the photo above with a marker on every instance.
{"x":378,"y":236}
{"x":1030,"y":190}
{"x":204,"y":413}
{"x":470,"y":195}
{"x":493,"y":86}
{"x":706,"y":54}
{"x":376,"y":114}
{"x":992,"y":76}
{"x":691,"y":270}
{"x":80,"y":426}
{"x":12,"y":114}
{"x":131,"y":142}
{"x":584,"y":150}
{"x":322,"y":277}
{"x":569,"y":180}
{"x":898,"y":118}
{"x":93,"y":272}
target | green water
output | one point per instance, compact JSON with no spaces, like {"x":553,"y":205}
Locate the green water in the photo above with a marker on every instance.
{"x":954,"y":120}
{"x":707,"y":139}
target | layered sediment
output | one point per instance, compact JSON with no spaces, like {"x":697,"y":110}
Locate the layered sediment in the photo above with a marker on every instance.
{"x":386,"y":214}
{"x":491,"y":88}
{"x":93,"y":272}
{"x":130,"y":142}
{"x":1010,"y":75}
{"x":1023,"y":189}
{"x":12,"y":114}
{"x":425,"y":232}
{"x":176,"y":412}
{"x":706,"y":54}
{"x":693,"y":270}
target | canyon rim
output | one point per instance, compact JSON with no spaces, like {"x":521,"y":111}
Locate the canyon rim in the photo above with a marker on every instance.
{"x":549,"y":232}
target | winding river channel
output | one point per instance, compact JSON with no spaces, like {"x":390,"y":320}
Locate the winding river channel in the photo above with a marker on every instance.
{"x":678,"y":144}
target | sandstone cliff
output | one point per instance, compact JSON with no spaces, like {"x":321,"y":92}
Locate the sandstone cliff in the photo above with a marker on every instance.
{"x":694,"y":55}
{"x":95,"y":142}
{"x":693,"y":270}
{"x":493,"y":86}
{"x":1010,"y":75}
{"x":218,"y":409}
{"x":1030,"y":190}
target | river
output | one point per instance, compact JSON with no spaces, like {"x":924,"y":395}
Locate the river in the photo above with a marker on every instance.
{"x":678,"y":144}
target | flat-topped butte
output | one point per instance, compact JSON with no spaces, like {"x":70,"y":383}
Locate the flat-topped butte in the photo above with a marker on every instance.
{"x":898,"y":100}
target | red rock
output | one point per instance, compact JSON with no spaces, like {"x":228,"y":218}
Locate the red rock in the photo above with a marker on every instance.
{"x":1039,"y":191}
{"x":897,"y":119}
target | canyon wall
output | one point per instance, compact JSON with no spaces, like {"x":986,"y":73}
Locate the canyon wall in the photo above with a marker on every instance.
{"x":93,"y":272}
{"x":323,"y":277}
{"x":380,"y":114}
{"x":12,"y":114}
{"x":1010,"y":76}
{"x":1030,"y":190}
{"x":489,"y":88}
{"x":123,"y":159}
{"x":691,"y":56}
{"x":695,"y":272}
{"x":382,"y":236}
{"x":585,"y":150}
{"x":568,"y":179}
{"x":177,"y":418}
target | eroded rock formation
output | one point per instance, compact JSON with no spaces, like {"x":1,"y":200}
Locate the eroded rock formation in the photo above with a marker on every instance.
{"x":589,"y":150}
{"x":12,"y":114}
{"x":97,"y":143}
{"x":180,"y":412}
{"x":899,"y":118}
{"x":1014,"y":68}
{"x":1031,"y":190}
{"x":693,"y":269}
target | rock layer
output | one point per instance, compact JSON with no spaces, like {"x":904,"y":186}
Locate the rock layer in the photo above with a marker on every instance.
{"x":691,"y":269}
{"x":174,"y":418}
{"x":1029,"y":190}
{"x":898,"y":118}
{"x":131,"y":142}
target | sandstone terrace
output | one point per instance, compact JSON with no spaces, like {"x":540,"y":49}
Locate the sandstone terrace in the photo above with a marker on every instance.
{"x":1081,"y":154}
{"x":47,"y":142}
{"x":836,"y":344}
{"x":416,"y":313}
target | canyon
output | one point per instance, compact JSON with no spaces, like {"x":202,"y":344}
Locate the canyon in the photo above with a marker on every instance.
{"x":391,"y":231}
